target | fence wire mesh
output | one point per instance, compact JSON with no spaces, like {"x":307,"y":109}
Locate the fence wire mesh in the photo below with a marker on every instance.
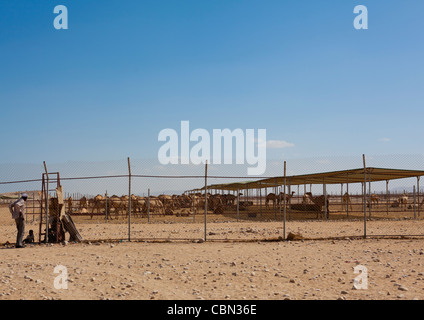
{"x":172,"y":208}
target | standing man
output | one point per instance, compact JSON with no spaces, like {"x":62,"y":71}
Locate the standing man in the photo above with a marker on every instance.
{"x":17,"y":209}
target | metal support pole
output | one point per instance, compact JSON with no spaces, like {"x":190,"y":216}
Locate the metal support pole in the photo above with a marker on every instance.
{"x":369,"y":193}
{"x":47,"y":202}
{"x":275,"y":199}
{"x":415,"y":208}
{"x":325,"y":199}
{"x":247,"y":199}
{"x":260,"y":197}
{"x":418,"y":195}
{"x":364,"y":196}
{"x":387,"y":197}
{"x":129,"y":200}
{"x":280,"y":201}
{"x":284,"y":204}
{"x":206,"y":195}
{"x":33,"y":206}
{"x":194,"y":208}
{"x":348,"y":197}
{"x":106,"y":211}
{"x":148,"y":205}
{"x":289,"y":200}
{"x":238,"y":202}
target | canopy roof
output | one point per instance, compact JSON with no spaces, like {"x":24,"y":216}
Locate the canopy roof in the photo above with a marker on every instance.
{"x":334,"y":177}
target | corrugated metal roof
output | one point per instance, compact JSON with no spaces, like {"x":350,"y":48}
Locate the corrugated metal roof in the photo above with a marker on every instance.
{"x":333,"y":177}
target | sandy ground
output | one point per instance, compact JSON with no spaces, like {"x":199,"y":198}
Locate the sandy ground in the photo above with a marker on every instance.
{"x":226,"y":269}
{"x":216,"y":270}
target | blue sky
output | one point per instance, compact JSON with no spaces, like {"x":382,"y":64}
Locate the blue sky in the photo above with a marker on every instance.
{"x":124,"y":70}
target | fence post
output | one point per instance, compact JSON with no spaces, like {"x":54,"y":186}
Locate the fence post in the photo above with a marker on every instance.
{"x":284,"y":204}
{"x":129,"y":200}
{"x":194,"y":208}
{"x":238,"y":202}
{"x":364,"y":190}
{"x":260,"y":197}
{"x":206,"y":195}
{"x":387,"y":197}
{"x":33,"y":206}
{"x":415,"y":206}
{"x":418,"y":195}
{"x":47,"y":202}
{"x":348,"y":197}
{"x":106,"y":206}
{"x":369,"y":194}
{"x":148,"y":205}
{"x":324,"y":186}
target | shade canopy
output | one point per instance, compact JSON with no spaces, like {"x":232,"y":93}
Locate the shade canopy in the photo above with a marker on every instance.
{"x":333,"y":177}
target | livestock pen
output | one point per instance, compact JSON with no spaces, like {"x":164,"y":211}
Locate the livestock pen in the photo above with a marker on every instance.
{"x":354,"y":203}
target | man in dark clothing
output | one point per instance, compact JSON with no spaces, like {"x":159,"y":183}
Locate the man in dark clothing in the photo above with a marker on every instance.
{"x":17,"y":209}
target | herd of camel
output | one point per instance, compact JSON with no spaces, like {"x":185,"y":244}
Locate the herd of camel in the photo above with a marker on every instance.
{"x":187,"y":204}
{"x":184,"y":204}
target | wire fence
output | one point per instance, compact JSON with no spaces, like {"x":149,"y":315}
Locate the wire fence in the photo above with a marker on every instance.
{"x":155,"y":209}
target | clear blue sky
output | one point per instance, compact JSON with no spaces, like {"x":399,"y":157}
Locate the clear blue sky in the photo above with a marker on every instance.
{"x":124,"y":70}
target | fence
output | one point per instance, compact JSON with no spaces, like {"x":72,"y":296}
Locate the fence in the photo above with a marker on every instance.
{"x":147,"y":212}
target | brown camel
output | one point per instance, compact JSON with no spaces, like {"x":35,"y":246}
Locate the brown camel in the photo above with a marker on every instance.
{"x":346,"y":201}
{"x":319,"y":201}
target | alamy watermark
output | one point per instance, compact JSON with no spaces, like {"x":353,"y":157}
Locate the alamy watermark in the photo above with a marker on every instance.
{"x":361,"y":281}
{"x":215,"y":148}
{"x":61,"y":281}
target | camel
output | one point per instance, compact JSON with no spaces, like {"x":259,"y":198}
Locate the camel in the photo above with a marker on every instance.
{"x":69,"y":204}
{"x":270,"y":197}
{"x":117,"y":204}
{"x":155,"y":205}
{"x":319,"y":201}
{"x":166,"y":200}
{"x":197,"y":201}
{"x":83,"y":203}
{"x":306,"y":199}
{"x":228,"y":199}
{"x":139,"y":204}
{"x":374,"y":199}
{"x":99,"y":202}
{"x":214,"y":201}
{"x":346,"y":201}
{"x":403,"y":200}
{"x":288,"y":197}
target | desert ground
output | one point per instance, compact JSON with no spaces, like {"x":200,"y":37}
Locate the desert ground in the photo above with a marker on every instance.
{"x":313,"y":269}
{"x":168,"y":260}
